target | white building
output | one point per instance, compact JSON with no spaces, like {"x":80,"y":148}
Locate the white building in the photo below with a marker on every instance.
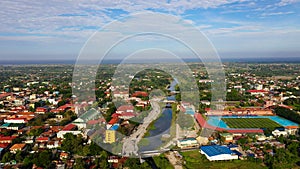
{"x":188,"y":142}
{"x":15,"y":120}
{"x":80,"y":123}
{"x":53,"y":144}
{"x":61,"y":134}
{"x":277,"y":133}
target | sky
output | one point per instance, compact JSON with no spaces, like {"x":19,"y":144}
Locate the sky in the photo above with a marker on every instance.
{"x":57,"y":30}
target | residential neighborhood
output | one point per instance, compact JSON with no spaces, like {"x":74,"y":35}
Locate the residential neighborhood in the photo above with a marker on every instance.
{"x":43,"y":125}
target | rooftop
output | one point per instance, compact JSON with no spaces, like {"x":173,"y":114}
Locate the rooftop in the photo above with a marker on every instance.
{"x":89,"y":115}
{"x":17,"y":146}
{"x":215,"y":150}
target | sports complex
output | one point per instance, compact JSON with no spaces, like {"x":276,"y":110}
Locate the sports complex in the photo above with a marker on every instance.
{"x":244,"y":123}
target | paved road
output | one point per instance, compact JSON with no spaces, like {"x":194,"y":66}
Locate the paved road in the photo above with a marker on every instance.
{"x":174,"y":161}
{"x":130,"y":144}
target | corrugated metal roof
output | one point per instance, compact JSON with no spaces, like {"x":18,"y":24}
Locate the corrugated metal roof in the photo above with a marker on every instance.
{"x":90,"y":115}
{"x":114,"y":127}
{"x":215,"y":150}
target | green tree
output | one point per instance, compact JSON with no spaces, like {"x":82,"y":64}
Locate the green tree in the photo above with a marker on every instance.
{"x":86,"y":150}
{"x":44,"y":158}
{"x":95,"y":149}
{"x":19,"y":156}
{"x":7,"y":157}
{"x":104,"y":163}
{"x":72,"y":143}
{"x":79,"y":164}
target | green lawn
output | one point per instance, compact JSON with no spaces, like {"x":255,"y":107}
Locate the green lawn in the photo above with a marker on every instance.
{"x":195,"y":160}
{"x":250,"y":123}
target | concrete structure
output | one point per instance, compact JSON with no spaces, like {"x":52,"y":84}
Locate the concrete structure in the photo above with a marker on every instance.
{"x":80,"y":123}
{"x":226,"y":137}
{"x":217,"y":153}
{"x":242,"y":112}
{"x":12,"y":126}
{"x":277,"y":133}
{"x":61,"y":134}
{"x":15,"y":120}
{"x":292,"y":130}
{"x":260,"y":137}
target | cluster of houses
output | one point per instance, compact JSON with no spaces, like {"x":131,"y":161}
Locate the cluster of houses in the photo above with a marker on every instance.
{"x":123,"y":114}
{"x":19,"y":109}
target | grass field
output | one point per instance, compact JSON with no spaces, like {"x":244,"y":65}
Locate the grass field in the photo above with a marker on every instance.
{"x":195,"y":160}
{"x":250,"y":123}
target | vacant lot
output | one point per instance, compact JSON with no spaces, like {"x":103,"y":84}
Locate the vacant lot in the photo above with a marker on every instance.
{"x":250,"y":123}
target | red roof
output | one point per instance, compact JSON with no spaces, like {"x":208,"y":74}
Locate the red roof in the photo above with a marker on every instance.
{"x":26,"y":114}
{"x":92,"y":122}
{"x":245,"y":131}
{"x":64,"y":107}
{"x":5,"y":95}
{"x":42,"y":139}
{"x":257,"y":91}
{"x":115,"y":115}
{"x":128,"y":114}
{"x":291,"y":127}
{"x":4,"y":145}
{"x":56,"y":128}
{"x":113,"y":121}
{"x":69,"y":127}
{"x":54,"y":111}
{"x":125,"y":108}
{"x":207,"y":109}
{"x":140,"y":93}
{"x":202,"y":122}
{"x":5,"y":138}
{"x":285,"y":106}
{"x":41,"y":109}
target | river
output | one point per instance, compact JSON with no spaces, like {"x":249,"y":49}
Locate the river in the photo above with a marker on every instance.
{"x":162,"y":126}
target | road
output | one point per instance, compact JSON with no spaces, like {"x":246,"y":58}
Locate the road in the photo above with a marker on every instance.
{"x":173,"y":160}
{"x":130,"y":144}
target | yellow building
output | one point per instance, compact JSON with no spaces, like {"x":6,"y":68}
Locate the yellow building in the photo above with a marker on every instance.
{"x":110,"y":136}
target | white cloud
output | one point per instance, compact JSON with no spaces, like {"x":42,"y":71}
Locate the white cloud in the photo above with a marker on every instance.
{"x":232,"y":30}
{"x":287,"y":2}
{"x":277,"y":13}
{"x":57,"y":18}
{"x":65,"y":21}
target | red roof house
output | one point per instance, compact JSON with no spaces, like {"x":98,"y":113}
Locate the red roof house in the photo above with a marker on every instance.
{"x":140,"y":94}
{"x":42,"y":139}
{"x":69,"y":127}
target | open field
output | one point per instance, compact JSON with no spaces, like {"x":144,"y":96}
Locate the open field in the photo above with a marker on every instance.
{"x":250,"y":123}
{"x":193,"y":159}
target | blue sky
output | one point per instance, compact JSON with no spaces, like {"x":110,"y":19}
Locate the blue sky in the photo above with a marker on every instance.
{"x":237,"y":28}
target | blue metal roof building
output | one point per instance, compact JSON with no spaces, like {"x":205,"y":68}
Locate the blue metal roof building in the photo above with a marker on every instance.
{"x":217,"y":152}
{"x":114,"y":127}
